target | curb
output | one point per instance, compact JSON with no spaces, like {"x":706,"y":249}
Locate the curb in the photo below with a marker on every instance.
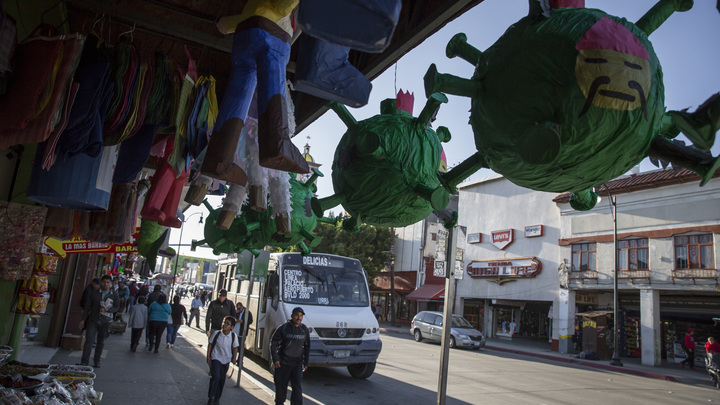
{"x":565,"y":360}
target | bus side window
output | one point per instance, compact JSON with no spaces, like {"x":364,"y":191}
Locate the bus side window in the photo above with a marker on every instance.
{"x":273,"y":289}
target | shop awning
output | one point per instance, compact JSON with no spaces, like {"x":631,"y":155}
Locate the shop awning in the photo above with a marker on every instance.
{"x":427,"y":292}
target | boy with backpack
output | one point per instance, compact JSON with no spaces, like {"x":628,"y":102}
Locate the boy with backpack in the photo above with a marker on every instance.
{"x":222,"y":350}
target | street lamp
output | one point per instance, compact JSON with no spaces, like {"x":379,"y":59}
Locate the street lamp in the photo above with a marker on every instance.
{"x":616,"y":332}
{"x":177,"y":254}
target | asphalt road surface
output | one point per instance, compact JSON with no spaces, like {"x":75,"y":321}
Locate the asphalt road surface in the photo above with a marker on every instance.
{"x":407,"y":374}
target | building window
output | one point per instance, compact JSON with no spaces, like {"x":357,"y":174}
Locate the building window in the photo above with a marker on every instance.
{"x":694,"y":252}
{"x":584,"y":257}
{"x":633,"y":254}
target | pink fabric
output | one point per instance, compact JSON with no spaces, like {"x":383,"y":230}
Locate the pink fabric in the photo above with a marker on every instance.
{"x":567,"y":3}
{"x":608,"y":34}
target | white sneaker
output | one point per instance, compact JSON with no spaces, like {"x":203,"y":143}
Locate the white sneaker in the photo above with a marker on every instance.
{"x":167,"y":345}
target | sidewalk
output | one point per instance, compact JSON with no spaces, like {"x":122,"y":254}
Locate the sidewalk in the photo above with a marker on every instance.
{"x":178,"y":375}
{"x":541,"y":350}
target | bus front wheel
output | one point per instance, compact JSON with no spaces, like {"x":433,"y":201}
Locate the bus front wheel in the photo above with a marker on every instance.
{"x":362,"y":370}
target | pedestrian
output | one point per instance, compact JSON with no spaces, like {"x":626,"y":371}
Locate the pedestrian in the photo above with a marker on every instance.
{"x":217,"y":311}
{"x":143,"y":290}
{"x":96,"y":317}
{"x":378,"y":311}
{"x":124,"y":294}
{"x":240,"y":314}
{"x":195,"y":311}
{"x":689,"y":348}
{"x":290,"y":351}
{"x":94,"y":285}
{"x":153,"y":296}
{"x":203,"y":297}
{"x":222,"y":350}
{"x":158,"y":314}
{"x":137,"y":322}
{"x":178,"y":313}
{"x":712,"y":346}
{"x":133,"y":288}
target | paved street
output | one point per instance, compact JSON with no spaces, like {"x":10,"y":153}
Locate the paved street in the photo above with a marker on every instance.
{"x":407,"y":373}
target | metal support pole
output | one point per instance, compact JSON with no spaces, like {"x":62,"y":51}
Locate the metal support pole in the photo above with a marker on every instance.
{"x":177,"y":258}
{"x":616,"y":331}
{"x":447,"y":316}
{"x":241,"y":355}
{"x":392,"y":278}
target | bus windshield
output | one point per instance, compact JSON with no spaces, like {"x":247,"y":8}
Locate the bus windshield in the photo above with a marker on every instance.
{"x":330,"y":286}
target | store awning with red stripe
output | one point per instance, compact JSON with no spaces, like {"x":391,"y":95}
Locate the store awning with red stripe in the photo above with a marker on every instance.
{"x":427,"y":292}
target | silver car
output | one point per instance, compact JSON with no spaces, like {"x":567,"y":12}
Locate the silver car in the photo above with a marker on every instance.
{"x":428,"y":325}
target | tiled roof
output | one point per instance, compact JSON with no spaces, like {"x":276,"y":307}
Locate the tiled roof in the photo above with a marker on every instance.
{"x":644,"y":181}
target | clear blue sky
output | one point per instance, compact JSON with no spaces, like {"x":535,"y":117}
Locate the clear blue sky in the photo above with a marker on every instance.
{"x":687,"y":45}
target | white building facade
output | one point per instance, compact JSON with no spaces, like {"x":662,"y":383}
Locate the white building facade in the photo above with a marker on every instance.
{"x":532,"y":263}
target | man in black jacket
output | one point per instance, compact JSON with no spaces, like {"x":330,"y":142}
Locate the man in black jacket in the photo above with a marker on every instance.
{"x":290,"y":351}
{"x":217,"y":311}
{"x":96,"y":317}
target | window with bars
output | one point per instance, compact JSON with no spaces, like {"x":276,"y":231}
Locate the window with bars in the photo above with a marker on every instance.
{"x":584,"y":257}
{"x":694,"y":252}
{"x":633,"y":254}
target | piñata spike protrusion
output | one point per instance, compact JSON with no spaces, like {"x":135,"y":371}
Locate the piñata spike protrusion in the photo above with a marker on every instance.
{"x":458,"y":46}
{"x":443,"y":134}
{"x":304,"y":249}
{"x":342,"y":113}
{"x":316,"y":173}
{"x":319,"y":205}
{"x":331,"y":221}
{"x":660,"y":12}
{"x":437,"y":197}
{"x":459,"y":173}
{"x":444,"y":83}
{"x":431,"y":108}
{"x":314,"y":240}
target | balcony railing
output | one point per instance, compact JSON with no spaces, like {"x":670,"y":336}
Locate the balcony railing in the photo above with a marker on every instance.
{"x":694,"y":274}
{"x":634,"y":274}
{"x":584,"y":275}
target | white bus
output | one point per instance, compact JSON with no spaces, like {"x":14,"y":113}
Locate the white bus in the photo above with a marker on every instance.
{"x":333,"y":292}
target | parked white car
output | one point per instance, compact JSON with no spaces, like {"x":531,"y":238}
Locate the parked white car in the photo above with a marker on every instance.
{"x":429,"y":325}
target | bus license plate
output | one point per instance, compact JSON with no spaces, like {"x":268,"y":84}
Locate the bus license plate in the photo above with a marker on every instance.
{"x":341,"y":354}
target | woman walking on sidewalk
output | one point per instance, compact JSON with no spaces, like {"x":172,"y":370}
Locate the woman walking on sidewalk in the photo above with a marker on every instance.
{"x":159,"y":312}
{"x":137,"y":322}
{"x":178,"y":314}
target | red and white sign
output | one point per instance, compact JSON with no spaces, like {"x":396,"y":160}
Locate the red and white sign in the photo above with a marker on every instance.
{"x":501,"y":239}
{"x":523,"y":267}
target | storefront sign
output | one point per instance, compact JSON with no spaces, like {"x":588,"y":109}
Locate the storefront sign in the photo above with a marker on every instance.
{"x":584,"y":298}
{"x":533,"y":231}
{"x":439,"y":270}
{"x":501,"y":239}
{"x":80,"y":246}
{"x":474,"y":238}
{"x":442,"y":236}
{"x":525,"y":267}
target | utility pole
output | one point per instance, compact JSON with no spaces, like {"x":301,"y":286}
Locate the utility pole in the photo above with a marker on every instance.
{"x":392,"y":277}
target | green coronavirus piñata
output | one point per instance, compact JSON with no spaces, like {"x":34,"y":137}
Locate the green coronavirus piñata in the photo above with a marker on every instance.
{"x":385,"y":167}
{"x":253,"y":230}
{"x":570,"y":97}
